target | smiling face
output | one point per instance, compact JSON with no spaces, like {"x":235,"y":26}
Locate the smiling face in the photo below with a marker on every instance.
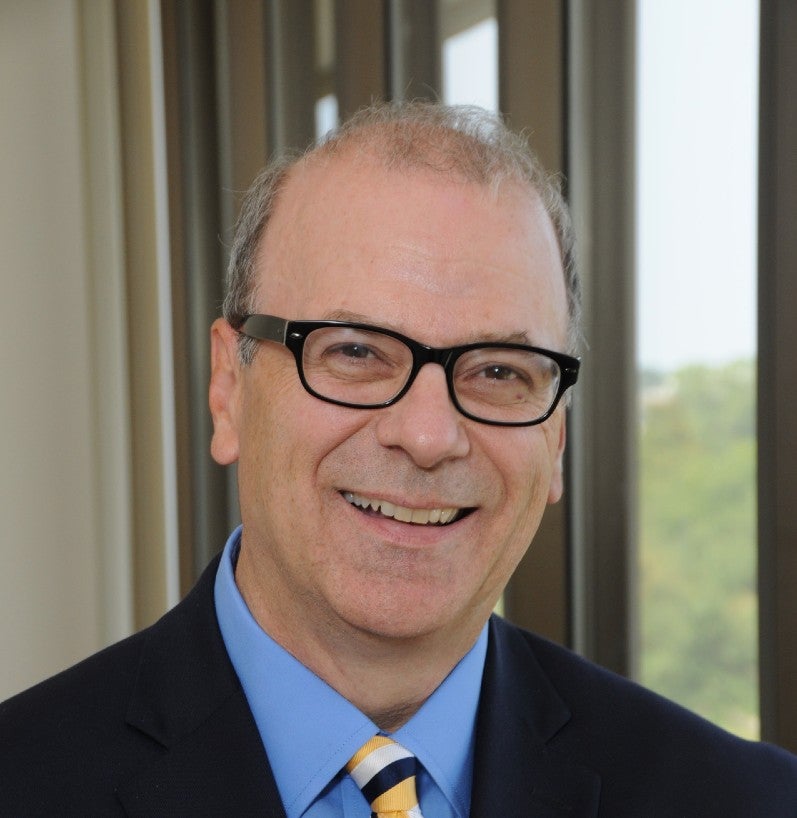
{"x":345,"y":510}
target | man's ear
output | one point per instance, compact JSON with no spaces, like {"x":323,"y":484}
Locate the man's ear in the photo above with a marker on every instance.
{"x":557,"y":474}
{"x":224,"y":393}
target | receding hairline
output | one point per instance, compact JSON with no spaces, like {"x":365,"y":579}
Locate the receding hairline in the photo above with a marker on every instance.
{"x":438,"y":153}
{"x":482,"y":151}
{"x":373,"y":154}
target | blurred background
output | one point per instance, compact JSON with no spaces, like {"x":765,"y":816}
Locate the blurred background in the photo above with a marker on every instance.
{"x":130,"y":130}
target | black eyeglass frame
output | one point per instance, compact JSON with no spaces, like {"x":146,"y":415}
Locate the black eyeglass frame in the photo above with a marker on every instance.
{"x":293,"y":334}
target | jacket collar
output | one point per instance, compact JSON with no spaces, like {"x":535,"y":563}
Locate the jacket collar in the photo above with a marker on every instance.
{"x":187,"y":699}
{"x":516,"y":774}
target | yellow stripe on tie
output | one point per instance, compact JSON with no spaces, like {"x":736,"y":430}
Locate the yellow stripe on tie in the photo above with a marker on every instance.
{"x":399,"y":799}
{"x":366,"y":750}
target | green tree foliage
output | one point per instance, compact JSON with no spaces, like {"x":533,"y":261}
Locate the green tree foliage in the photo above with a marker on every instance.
{"x":697,"y":519}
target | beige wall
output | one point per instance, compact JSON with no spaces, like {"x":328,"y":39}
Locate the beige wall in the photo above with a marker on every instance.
{"x":49,"y":585}
{"x":81,"y":266}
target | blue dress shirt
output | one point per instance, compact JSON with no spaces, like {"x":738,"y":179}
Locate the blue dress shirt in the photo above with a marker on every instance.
{"x":310,"y":731}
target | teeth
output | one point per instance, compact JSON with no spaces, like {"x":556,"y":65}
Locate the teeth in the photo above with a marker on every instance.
{"x":419,"y":516}
{"x":400,"y":513}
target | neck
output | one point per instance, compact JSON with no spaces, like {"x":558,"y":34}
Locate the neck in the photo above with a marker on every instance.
{"x":386,"y":678}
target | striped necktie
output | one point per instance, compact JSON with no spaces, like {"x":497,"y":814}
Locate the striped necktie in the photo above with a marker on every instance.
{"x":385,"y":772}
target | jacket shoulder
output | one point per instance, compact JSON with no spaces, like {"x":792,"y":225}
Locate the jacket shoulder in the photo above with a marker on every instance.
{"x":650,"y":751}
{"x":73,"y":737}
{"x":67,"y":728}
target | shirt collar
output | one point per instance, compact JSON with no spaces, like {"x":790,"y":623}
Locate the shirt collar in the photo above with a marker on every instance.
{"x":310,"y":730}
{"x":442,"y":733}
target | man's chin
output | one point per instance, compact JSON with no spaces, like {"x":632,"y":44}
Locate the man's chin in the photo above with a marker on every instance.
{"x":404,"y":621}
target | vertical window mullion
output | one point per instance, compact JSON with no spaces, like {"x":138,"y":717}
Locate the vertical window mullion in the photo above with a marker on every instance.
{"x":531,"y":47}
{"x":777,"y":379}
{"x":601,"y":185}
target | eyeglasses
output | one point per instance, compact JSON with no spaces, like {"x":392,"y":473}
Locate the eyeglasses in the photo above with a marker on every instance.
{"x":367,"y":367}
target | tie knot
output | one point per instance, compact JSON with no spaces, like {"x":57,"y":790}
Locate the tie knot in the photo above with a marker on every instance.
{"x":385,"y":772}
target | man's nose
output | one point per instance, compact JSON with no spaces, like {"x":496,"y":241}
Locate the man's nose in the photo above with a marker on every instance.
{"x":425,"y":423}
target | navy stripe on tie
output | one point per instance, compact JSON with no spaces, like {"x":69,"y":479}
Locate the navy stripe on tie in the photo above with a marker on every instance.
{"x":388,"y":777}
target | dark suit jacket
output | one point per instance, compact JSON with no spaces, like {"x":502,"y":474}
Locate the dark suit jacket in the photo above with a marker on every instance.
{"x":158,"y":725}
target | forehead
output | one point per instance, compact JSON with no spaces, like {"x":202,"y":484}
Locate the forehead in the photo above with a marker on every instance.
{"x":412,"y":249}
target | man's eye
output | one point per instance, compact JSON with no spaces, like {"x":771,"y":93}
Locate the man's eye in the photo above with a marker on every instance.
{"x":360,"y":351}
{"x":497,"y":372}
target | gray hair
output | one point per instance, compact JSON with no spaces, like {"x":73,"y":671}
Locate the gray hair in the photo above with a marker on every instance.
{"x":460,"y":141}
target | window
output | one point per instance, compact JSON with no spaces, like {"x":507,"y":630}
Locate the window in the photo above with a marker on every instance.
{"x":470,"y":61}
{"x":696,"y":355}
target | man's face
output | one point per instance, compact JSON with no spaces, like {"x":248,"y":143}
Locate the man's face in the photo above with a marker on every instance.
{"x":446,"y":263}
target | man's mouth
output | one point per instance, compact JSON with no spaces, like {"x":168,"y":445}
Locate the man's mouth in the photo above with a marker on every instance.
{"x":417,"y":516}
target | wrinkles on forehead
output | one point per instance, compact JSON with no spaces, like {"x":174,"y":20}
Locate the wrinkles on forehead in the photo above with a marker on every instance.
{"x":519,"y":337}
{"x":345,"y":233}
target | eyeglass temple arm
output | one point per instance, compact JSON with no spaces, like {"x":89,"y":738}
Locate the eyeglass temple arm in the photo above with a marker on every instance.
{"x":265,"y":327}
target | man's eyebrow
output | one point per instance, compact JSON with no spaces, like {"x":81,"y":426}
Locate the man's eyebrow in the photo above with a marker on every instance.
{"x":345,"y":315}
{"x":519,"y":337}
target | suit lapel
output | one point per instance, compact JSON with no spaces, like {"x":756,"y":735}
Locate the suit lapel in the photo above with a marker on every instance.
{"x":187,"y":699}
{"x":515,"y":774}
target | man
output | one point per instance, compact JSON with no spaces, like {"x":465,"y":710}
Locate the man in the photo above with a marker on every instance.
{"x":390,"y":377}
